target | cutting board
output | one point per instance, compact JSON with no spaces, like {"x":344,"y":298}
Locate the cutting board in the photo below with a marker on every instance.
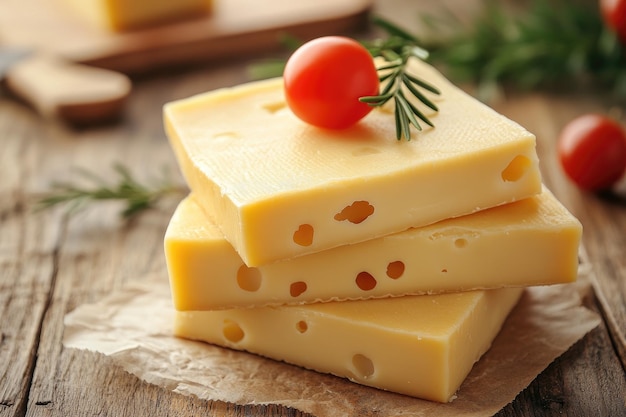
{"x":235,"y":28}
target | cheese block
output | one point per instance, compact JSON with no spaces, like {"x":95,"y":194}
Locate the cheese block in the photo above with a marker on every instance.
{"x":423,"y":346}
{"x":121,"y":15}
{"x":280,"y":188}
{"x":530,"y":242}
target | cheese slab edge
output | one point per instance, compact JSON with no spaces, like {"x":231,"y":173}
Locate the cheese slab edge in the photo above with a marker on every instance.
{"x":534,"y":241}
{"x":124,"y":15}
{"x":280,"y":188}
{"x":422,"y":346}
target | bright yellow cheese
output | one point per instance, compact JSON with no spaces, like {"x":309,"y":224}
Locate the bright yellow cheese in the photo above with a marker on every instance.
{"x":280,"y":188}
{"x":120,"y":15}
{"x":423,"y":346}
{"x":530,"y":242}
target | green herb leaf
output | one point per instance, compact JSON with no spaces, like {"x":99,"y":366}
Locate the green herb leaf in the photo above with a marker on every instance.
{"x":549,"y":43}
{"x":397,"y":49}
{"x":137,"y":197}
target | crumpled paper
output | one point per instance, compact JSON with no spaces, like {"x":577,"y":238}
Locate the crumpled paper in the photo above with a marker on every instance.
{"x":134,"y":328}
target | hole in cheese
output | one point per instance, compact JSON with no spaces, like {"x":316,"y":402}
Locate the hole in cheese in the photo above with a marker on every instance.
{"x":301,"y":326}
{"x":355,"y":212}
{"x":248,"y":279}
{"x":304,"y":235}
{"x":224,"y":138}
{"x":395,"y":269}
{"x":363,"y":365}
{"x":274,"y":107}
{"x":232,"y":331}
{"x":460,"y":243}
{"x":297,"y":288}
{"x":516,"y":168}
{"x":367,"y":150}
{"x":365,"y":281}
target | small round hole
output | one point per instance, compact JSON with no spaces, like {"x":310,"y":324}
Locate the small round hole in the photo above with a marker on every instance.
{"x":304,"y":235}
{"x":274,"y":107}
{"x":365,"y":281}
{"x":301,"y":326}
{"x":365,"y":151}
{"x":444,"y":270}
{"x":460,"y":243}
{"x":395,"y":269}
{"x":516,"y":168}
{"x":363,"y":365}
{"x":232,"y":331}
{"x":297,"y":288}
{"x":248,"y":279}
{"x":225,"y":136}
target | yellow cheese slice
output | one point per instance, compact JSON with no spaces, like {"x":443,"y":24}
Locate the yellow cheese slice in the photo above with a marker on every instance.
{"x":279,"y":187}
{"x":120,"y":15}
{"x":530,"y":242}
{"x":423,"y":346}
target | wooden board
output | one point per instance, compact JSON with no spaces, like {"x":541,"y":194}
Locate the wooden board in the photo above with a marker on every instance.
{"x":235,"y":28}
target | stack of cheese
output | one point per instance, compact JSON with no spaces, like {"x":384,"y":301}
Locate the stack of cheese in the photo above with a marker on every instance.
{"x":391,"y":263}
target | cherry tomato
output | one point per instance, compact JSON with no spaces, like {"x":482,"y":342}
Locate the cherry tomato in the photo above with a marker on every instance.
{"x":614,"y":13}
{"x":592,"y":151}
{"x":325,"y":78}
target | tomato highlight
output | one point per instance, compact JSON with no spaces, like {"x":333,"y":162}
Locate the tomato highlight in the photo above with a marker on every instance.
{"x":592,"y":151}
{"x":325,"y":78}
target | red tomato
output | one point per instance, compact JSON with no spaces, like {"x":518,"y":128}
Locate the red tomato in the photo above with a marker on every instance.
{"x":325,"y":78}
{"x":592,"y":151}
{"x":614,"y":13}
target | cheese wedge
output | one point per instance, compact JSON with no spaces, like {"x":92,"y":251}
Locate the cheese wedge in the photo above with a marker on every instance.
{"x":279,"y":187}
{"x":423,"y":346}
{"x":530,"y":242}
{"x":121,"y":15}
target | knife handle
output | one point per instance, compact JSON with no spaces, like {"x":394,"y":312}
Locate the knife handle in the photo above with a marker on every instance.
{"x":75,"y":93}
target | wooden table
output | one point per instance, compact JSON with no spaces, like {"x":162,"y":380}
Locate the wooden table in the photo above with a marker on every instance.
{"x":51,"y":262}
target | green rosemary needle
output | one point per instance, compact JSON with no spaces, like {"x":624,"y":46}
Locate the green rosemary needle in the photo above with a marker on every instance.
{"x":137,"y":197}
{"x":396,"y":52}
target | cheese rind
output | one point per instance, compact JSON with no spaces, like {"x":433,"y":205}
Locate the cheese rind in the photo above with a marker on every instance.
{"x":530,"y":242}
{"x":121,"y":15}
{"x":280,"y":188}
{"x":423,"y":346}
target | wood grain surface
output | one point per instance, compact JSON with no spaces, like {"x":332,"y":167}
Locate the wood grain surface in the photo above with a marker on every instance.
{"x":52,"y":262}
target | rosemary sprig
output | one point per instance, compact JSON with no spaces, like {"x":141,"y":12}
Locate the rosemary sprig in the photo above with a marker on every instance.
{"x":136,"y":196}
{"x":549,"y":43}
{"x":396,"y":50}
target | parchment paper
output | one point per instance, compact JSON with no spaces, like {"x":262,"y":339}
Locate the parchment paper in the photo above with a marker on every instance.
{"x":133,"y":327}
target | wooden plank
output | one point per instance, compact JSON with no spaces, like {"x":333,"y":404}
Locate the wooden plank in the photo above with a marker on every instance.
{"x":27,"y":242}
{"x":22,"y":305}
{"x":236,"y":28}
{"x":108,"y":390}
{"x":605,"y":240}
